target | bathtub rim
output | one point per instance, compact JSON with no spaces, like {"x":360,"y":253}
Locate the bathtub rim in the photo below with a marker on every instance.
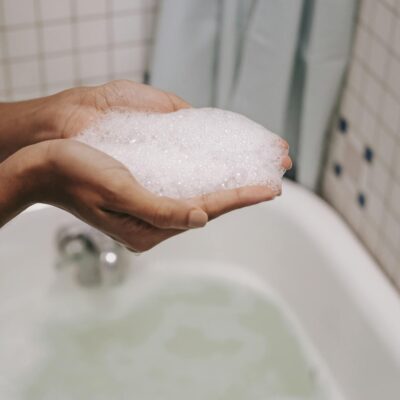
{"x":374,"y":292}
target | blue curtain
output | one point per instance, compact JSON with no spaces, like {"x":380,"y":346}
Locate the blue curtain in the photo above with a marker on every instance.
{"x":280,"y":62}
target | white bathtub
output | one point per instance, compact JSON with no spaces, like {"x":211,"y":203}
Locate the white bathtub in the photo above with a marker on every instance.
{"x":297,"y":244}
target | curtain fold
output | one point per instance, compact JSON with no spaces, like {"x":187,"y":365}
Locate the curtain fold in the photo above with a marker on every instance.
{"x":279,"y":62}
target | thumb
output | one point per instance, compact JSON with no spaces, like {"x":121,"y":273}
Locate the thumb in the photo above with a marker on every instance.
{"x":163,"y":212}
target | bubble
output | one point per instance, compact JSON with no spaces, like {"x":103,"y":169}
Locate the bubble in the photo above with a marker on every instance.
{"x":190,"y":152}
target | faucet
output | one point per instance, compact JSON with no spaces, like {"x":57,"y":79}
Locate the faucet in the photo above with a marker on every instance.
{"x":97,"y":259}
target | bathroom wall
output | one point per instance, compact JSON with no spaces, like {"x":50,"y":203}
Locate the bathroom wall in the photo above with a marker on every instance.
{"x":362,"y":176}
{"x":50,"y":45}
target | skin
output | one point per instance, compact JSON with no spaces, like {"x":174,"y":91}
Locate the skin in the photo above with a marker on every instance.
{"x":40,"y":163}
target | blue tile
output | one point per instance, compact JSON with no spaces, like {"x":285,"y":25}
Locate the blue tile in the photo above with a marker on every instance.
{"x":337,"y":169}
{"x":361,"y":199}
{"x":343,"y":125}
{"x":368,"y":154}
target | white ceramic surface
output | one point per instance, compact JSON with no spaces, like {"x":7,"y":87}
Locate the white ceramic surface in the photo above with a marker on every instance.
{"x":296,"y":244}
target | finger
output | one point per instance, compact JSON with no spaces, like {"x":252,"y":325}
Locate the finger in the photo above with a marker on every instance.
{"x":218,"y":203}
{"x":177,"y":102}
{"x":159,"y":211}
{"x":133,"y":233}
{"x":286,"y":163}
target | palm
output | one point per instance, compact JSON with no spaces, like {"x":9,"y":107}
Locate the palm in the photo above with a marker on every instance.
{"x":91,"y":103}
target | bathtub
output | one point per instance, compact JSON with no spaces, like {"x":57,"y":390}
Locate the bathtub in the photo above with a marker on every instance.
{"x":297,"y":244}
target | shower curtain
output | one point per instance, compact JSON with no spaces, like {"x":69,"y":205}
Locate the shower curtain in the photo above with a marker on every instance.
{"x":279,"y":62}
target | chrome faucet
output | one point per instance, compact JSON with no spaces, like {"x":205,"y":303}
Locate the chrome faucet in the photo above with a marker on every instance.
{"x":97,"y":259}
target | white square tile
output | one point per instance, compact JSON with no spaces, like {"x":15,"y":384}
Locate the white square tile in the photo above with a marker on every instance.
{"x":130,"y":59}
{"x":21,"y":42}
{"x":356,"y":77}
{"x":352,"y":110}
{"x":368,"y":126}
{"x":395,"y":43}
{"x":129,"y":5}
{"x":383,"y":20}
{"x":26,"y":93}
{"x":128,"y":29}
{"x":92,"y":33}
{"x":57,"y":38}
{"x":95,"y":81}
{"x":93,"y":64}
{"x":352,"y":161}
{"x":18,"y":12}
{"x":56,"y":88}
{"x":59,"y":69}
{"x":385,"y":146}
{"x":379,"y":178}
{"x":378,"y":58}
{"x":396,"y":163}
{"x":91,"y":7}
{"x":394,"y":198}
{"x":374,"y":207}
{"x":373,"y":92}
{"x":391,"y":230}
{"x":25,"y":74}
{"x":55,"y":9}
{"x":391,"y":112}
{"x":393,"y":77}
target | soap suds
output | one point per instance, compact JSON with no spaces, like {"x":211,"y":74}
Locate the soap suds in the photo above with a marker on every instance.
{"x":191,"y":151}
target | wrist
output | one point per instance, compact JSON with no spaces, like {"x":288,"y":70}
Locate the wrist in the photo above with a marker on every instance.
{"x":22,"y":178}
{"x":22,"y":124}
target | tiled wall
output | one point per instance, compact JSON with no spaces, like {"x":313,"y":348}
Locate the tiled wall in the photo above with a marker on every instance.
{"x":49,"y":45}
{"x":362,"y":177}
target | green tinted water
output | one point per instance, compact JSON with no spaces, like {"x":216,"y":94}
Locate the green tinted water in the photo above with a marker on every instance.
{"x":200,"y":338}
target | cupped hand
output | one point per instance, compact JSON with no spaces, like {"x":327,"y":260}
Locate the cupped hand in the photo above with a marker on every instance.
{"x":73,"y":110}
{"x":95,"y":187}
{"x":102,"y":192}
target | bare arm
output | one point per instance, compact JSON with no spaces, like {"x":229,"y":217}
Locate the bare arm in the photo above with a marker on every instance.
{"x":102,"y":192}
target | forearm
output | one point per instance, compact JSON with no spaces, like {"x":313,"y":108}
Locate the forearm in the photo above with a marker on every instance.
{"x":23,"y":123}
{"x":21,"y":177}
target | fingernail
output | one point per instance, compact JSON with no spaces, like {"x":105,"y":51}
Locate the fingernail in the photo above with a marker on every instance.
{"x":197,"y":219}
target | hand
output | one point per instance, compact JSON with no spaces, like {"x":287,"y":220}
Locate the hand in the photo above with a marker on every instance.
{"x":101,"y":191}
{"x":67,"y":113}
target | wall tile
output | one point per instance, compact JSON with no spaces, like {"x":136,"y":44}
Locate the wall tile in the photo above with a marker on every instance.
{"x":128,"y":28}
{"x":129,"y":59}
{"x":18,"y":12}
{"x":382,"y":23}
{"x":21,"y":42}
{"x":129,"y":5}
{"x":53,"y":44}
{"x":93,"y":64}
{"x":60,"y":69}
{"x":391,"y":112}
{"x":92,"y":33}
{"x":54,"y":9}
{"x":370,"y":153}
{"x":57,"y":38}
{"x":91,"y":7}
{"x":25,"y":74}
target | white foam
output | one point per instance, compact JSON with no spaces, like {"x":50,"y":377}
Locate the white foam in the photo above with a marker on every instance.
{"x":190,"y":152}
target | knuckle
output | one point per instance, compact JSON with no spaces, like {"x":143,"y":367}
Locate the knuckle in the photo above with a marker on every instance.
{"x":163,"y":215}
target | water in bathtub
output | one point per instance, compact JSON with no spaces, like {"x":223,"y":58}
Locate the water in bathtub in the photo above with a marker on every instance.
{"x":172,"y":334}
